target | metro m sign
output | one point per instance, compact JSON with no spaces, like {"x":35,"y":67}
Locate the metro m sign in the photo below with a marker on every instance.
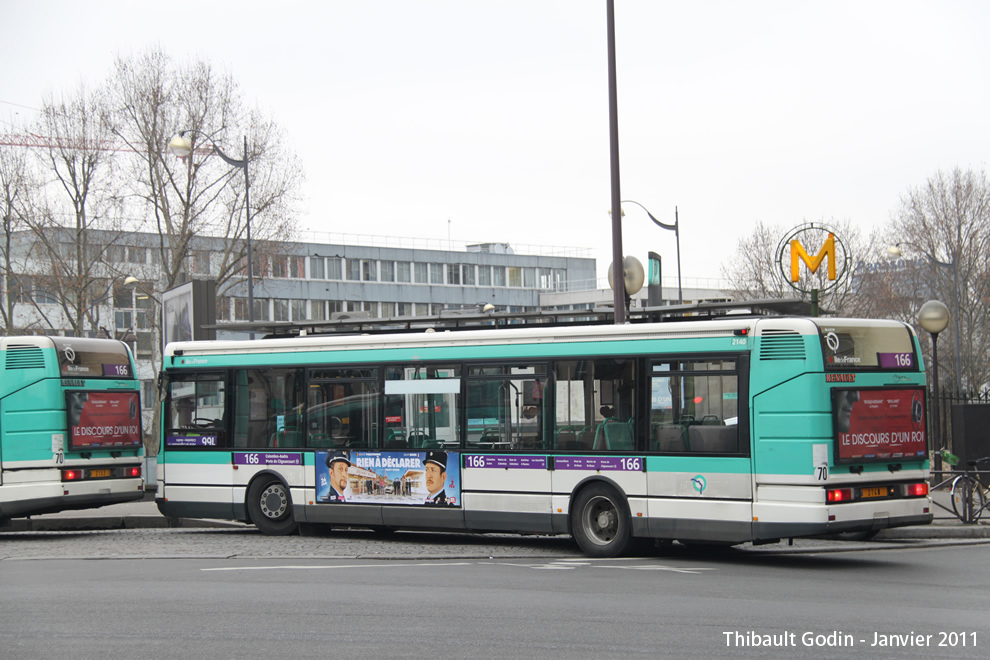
{"x":827,"y":252}
{"x":812,"y":243}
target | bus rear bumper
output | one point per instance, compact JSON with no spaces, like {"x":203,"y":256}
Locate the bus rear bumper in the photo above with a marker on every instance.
{"x":773,"y":521}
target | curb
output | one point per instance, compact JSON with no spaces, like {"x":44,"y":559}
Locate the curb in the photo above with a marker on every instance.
{"x":104,"y":523}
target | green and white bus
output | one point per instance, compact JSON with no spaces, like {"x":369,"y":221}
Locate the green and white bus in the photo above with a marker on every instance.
{"x":722,"y":431}
{"x":70,"y":425}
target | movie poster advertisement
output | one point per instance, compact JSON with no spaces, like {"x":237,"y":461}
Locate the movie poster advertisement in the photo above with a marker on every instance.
{"x":401,"y":478}
{"x":103,"y":419}
{"x":879,"y":424}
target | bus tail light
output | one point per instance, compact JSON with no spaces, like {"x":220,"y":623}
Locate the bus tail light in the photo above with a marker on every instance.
{"x":840,"y":495}
{"x":132,"y":471}
{"x":917,"y":490}
{"x":71,"y":475}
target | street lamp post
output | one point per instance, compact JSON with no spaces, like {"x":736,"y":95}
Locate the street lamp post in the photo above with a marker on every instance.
{"x":182,"y":146}
{"x":677,"y":234}
{"x":934,"y":317}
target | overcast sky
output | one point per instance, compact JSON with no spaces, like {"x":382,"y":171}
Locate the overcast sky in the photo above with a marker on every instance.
{"x":487,"y":120}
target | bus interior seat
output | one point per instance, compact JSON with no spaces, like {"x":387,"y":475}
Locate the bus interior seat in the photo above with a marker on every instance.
{"x":711,"y":420}
{"x":619,"y":436}
{"x":566,"y":438}
{"x":417,"y":439}
{"x":669,"y":437}
{"x":586,"y":439}
{"x":320,"y":440}
{"x":614,"y":435}
{"x":713,"y":439}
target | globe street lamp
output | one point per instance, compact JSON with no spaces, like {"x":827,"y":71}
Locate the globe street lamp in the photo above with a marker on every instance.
{"x":934,"y":318}
{"x":182,"y":146}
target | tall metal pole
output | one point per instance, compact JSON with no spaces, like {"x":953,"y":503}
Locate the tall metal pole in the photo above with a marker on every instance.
{"x":935,"y":443}
{"x":247,"y":213}
{"x":618,"y":281}
{"x":677,"y":235}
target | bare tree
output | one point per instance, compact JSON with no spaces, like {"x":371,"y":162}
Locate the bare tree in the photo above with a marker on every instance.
{"x":80,"y":194}
{"x":202,"y":196}
{"x":942,"y":228}
{"x":15,"y":193}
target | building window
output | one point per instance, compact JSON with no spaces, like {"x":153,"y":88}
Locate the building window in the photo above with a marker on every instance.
{"x":137,"y":255}
{"x":484,"y":275}
{"x":421,"y":271}
{"x":317,"y":310}
{"x":317,"y":268}
{"x":403,"y":309}
{"x":334,"y":270}
{"x":281,"y":310}
{"x":353,"y":269}
{"x":241,"y":309}
{"x":279,"y":268}
{"x":529,"y":278}
{"x":298,"y":310}
{"x":515,"y":276}
{"x":402,"y":272}
{"x":297,"y":267}
{"x":387,"y":271}
{"x":369,"y":270}
{"x":201,"y":262}
{"x":149,"y":397}
{"x":223,"y":308}
{"x":453,"y":273}
{"x":261,"y":309}
{"x":421,"y":309}
{"x":498,"y":278}
{"x":436,"y":273}
{"x":468,"y":274}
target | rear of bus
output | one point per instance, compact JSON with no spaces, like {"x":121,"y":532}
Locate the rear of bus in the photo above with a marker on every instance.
{"x":840,"y":427}
{"x":70,"y":425}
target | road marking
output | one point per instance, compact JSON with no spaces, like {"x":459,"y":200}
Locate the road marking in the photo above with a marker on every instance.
{"x":661,"y":567}
{"x":325,"y":567}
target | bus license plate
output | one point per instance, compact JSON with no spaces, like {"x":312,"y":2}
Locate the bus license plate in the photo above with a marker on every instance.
{"x":96,"y":474}
{"x":874,"y":492}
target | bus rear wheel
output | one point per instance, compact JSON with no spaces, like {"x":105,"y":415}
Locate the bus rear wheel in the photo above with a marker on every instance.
{"x":600,"y":521}
{"x":270,"y":507}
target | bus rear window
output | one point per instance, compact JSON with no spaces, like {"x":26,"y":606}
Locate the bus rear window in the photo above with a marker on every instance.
{"x":92,"y":358}
{"x":849,"y":345}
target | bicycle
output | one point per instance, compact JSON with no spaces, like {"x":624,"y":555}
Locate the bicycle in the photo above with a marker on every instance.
{"x":969,"y":495}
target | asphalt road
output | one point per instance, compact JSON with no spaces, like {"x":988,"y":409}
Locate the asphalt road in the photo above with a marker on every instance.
{"x":268,"y":600}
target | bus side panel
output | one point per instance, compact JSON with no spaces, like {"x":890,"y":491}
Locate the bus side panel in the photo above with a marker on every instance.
{"x":197,"y":484}
{"x":30,"y":428}
{"x":506,"y":493}
{"x":700,"y":498}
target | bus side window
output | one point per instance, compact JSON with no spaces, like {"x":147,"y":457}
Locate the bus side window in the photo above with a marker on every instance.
{"x":268,"y":408}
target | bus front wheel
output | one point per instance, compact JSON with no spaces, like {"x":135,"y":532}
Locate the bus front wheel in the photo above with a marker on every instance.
{"x":600,"y":521}
{"x":270,"y":507}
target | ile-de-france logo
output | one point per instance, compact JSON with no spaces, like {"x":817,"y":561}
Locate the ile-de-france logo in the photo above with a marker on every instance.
{"x":699,"y":483}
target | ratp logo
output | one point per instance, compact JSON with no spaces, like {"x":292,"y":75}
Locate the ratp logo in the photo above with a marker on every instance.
{"x":699,"y":483}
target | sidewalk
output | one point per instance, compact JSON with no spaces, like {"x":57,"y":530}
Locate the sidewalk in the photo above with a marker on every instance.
{"x":145,"y":515}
